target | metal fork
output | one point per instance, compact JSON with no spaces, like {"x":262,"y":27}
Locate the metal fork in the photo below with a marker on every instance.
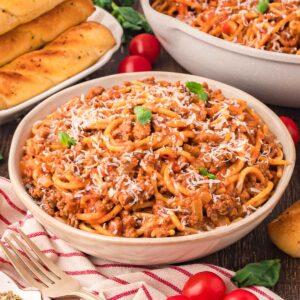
{"x":40,"y":272}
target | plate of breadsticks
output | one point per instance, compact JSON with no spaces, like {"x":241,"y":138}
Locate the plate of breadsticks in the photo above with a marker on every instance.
{"x":48,"y":45}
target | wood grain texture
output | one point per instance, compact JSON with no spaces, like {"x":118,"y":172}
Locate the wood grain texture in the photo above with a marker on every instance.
{"x":255,"y":246}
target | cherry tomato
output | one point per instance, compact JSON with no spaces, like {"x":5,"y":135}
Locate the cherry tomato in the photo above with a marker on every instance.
{"x":178,"y":297}
{"x":240,"y":294}
{"x":146,"y":45}
{"x":292,"y":128}
{"x":134,"y":63}
{"x":203,"y":286}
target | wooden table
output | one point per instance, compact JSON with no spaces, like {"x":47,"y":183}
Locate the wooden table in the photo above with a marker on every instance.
{"x":255,"y":246}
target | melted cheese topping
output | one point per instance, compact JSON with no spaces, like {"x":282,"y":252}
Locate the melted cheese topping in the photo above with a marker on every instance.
{"x":239,"y":21}
{"x":129,"y":179}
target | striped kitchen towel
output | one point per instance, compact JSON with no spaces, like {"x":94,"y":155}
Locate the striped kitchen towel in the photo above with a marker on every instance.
{"x":115,"y":280}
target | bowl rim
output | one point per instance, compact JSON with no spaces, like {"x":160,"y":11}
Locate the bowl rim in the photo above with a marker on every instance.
{"x":219,"y":231}
{"x":218,"y":42}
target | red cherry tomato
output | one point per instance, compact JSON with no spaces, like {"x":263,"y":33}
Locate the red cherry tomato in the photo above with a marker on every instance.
{"x":146,"y":45}
{"x":240,"y":294}
{"x":292,"y":128}
{"x":203,"y":286}
{"x":134,"y":63}
{"x":178,"y":297}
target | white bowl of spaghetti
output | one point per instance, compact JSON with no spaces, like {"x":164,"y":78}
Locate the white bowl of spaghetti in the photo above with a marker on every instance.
{"x":184,"y":180}
{"x":272,"y":77}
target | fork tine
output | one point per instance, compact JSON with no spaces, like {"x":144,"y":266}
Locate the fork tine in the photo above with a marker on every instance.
{"x":35,"y":262}
{"x":28,"y":264}
{"x":46,"y":261}
{"x":19,"y":266}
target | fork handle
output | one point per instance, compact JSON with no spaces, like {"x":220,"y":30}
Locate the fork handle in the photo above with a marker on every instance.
{"x":87,"y":295}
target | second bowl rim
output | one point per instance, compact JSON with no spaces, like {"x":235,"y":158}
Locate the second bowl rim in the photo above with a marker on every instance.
{"x":224,"y":44}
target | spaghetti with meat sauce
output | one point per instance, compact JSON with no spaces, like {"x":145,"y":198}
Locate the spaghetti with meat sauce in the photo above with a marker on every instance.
{"x":151,"y":158}
{"x":268,"y":25}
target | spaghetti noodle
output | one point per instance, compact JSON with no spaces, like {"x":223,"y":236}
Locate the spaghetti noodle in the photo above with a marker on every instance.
{"x":241,"y":21}
{"x":184,"y":166}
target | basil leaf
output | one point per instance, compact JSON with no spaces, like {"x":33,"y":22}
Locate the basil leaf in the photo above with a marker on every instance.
{"x":262,"y":6}
{"x":106,"y":4}
{"x":1,"y":157}
{"x":133,"y":17}
{"x":203,"y":96}
{"x":127,"y":25}
{"x":130,"y":15}
{"x":132,"y":22}
{"x":197,"y":89}
{"x":66,"y":140}
{"x":194,"y":87}
{"x":126,"y":2}
{"x":142,"y":114}
{"x":205,"y":173}
{"x":264,"y":273}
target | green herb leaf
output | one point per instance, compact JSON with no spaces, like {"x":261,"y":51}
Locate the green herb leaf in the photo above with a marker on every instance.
{"x":106,"y":4}
{"x":132,"y":22}
{"x":264,"y":273}
{"x":66,"y":140}
{"x":262,"y":6}
{"x":197,"y":88}
{"x":142,"y":114}
{"x":205,"y":173}
{"x":126,"y":2}
{"x":1,"y":157}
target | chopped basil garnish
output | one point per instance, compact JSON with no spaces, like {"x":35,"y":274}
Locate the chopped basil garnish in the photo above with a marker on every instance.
{"x":205,"y":173}
{"x":66,"y":140}
{"x":262,"y":6}
{"x":197,"y":89}
{"x":264,"y":273}
{"x":1,"y":157}
{"x":142,"y":114}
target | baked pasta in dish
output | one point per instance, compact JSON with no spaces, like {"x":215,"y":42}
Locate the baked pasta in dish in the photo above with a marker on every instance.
{"x":151,"y":158}
{"x":272,"y":25}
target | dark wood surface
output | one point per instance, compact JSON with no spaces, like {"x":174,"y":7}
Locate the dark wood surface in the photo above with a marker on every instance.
{"x":255,"y":246}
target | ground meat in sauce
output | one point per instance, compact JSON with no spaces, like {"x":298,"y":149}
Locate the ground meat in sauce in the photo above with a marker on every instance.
{"x":145,"y":180}
{"x":241,"y":21}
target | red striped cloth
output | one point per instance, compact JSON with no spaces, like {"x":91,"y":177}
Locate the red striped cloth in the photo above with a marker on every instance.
{"x":117,"y":281}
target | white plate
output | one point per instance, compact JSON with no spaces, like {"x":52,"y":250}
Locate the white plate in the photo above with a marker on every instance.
{"x":100,"y":16}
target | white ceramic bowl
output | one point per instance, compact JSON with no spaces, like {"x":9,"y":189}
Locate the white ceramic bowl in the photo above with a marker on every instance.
{"x":272,"y":77}
{"x":147,"y":250}
{"x":101,"y":16}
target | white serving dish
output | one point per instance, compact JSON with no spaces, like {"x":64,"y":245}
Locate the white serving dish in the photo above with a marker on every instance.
{"x":273,"y":78}
{"x":146,"y":250}
{"x":101,"y":16}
